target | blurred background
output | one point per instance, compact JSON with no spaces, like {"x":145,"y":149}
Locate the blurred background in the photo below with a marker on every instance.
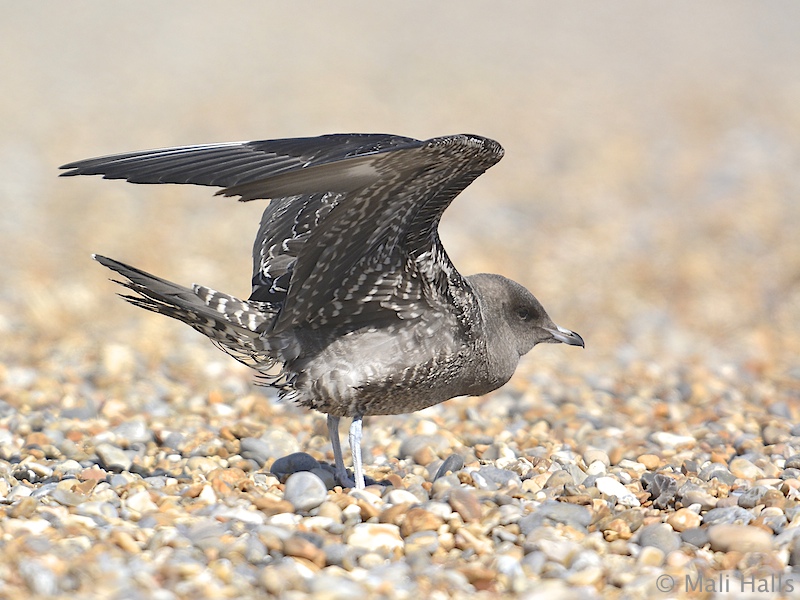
{"x":649,"y":196}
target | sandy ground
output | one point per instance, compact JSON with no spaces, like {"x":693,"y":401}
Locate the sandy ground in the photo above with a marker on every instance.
{"x":649,"y":197}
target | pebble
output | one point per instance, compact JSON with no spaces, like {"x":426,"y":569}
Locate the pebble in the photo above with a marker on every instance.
{"x":422,"y":541}
{"x":683,"y":519}
{"x":611,"y":487}
{"x":256,"y":449}
{"x":418,"y":519}
{"x":492,"y":479}
{"x":727,"y":515}
{"x":695,"y":536}
{"x":395,"y":496}
{"x":591,"y":455}
{"x":661,"y":536}
{"x":134,"y":431}
{"x":294,"y":463}
{"x":375,"y":537}
{"x":559,"y":478}
{"x":662,"y":488}
{"x":716,"y":471}
{"x":305,"y":491}
{"x":466,"y":504}
{"x":452,"y":463}
{"x":752,"y":497}
{"x":650,"y":461}
{"x":744,"y":469}
{"x":742,"y":538}
{"x":24,"y":508}
{"x":140,"y":502}
{"x":423,"y":449}
{"x":113,"y":458}
{"x":666,"y":439}
{"x":552,"y":513}
{"x":696,"y":496}
{"x":68,"y":498}
{"x":278,"y":443}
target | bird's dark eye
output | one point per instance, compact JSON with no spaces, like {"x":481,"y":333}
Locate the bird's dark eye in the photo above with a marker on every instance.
{"x":523,"y":313}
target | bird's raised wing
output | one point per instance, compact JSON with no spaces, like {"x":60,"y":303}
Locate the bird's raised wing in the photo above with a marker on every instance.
{"x":353,"y":216}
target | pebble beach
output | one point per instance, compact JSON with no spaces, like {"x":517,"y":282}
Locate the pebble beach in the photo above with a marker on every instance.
{"x":649,"y":197}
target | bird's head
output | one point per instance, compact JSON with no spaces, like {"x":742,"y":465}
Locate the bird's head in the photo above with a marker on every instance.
{"x":516,"y":319}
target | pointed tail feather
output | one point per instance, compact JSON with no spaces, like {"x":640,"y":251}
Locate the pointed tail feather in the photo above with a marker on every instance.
{"x":233,"y":325}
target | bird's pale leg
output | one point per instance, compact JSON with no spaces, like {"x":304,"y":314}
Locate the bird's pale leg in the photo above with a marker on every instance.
{"x":355,"y":448}
{"x":341,"y":473}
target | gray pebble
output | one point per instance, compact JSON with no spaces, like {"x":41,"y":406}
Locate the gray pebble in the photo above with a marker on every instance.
{"x":661,"y":487}
{"x":492,"y":478}
{"x":473,"y":439}
{"x":44,"y":490}
{"x":717,"y":471}
{"x":174,"y":441}
{"x":697,"y":496}
{"x":415,"y":444}
{"x":452,"y":463}
{"x":342,"y":555}
{"x":793,"y":462}
{"x":305,"y":491}
{"x":534,"y":562}
{"x":696,"y":536}
{"x":443,"y":485}
{"x":205,"y":533}
{"x":727,"y":515}
{"x":294,"y":463}
{"x":578,"y":476}
{"x":17,"y":492}
{"x":279,"y":442}
{"x":255,"y":449}
{"x":39,"y":578}
{"x":790,"y":473}
{"x":690,"y":466}
{"x":752,"y":497}
{"x":133,"y":432}
{"x":775,"y":522}
{"x":67,"y":498}
{"x":121,"y":479}
{"x":559,"y":479}
{"x":552,"y":512}
{"x":661,"y":536}
{"x":112,"y":458}
{"x":634,"y":517}
{"x":84,"y":412}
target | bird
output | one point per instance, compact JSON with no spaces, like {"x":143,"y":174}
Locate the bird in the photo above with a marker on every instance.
{"x":355,"y":307}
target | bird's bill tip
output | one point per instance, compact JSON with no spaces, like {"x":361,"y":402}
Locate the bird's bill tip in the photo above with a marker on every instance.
{"x":565,"y":336}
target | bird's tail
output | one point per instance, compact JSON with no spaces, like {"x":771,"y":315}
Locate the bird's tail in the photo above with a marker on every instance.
{"x":234,"y":325}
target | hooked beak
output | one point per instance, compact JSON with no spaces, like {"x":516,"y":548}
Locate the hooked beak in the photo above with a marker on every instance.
{"x":566,"y":336}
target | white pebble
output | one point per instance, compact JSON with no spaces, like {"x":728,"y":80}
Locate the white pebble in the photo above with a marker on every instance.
{"x":612,"y":487}
{"x":375,"y":536}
